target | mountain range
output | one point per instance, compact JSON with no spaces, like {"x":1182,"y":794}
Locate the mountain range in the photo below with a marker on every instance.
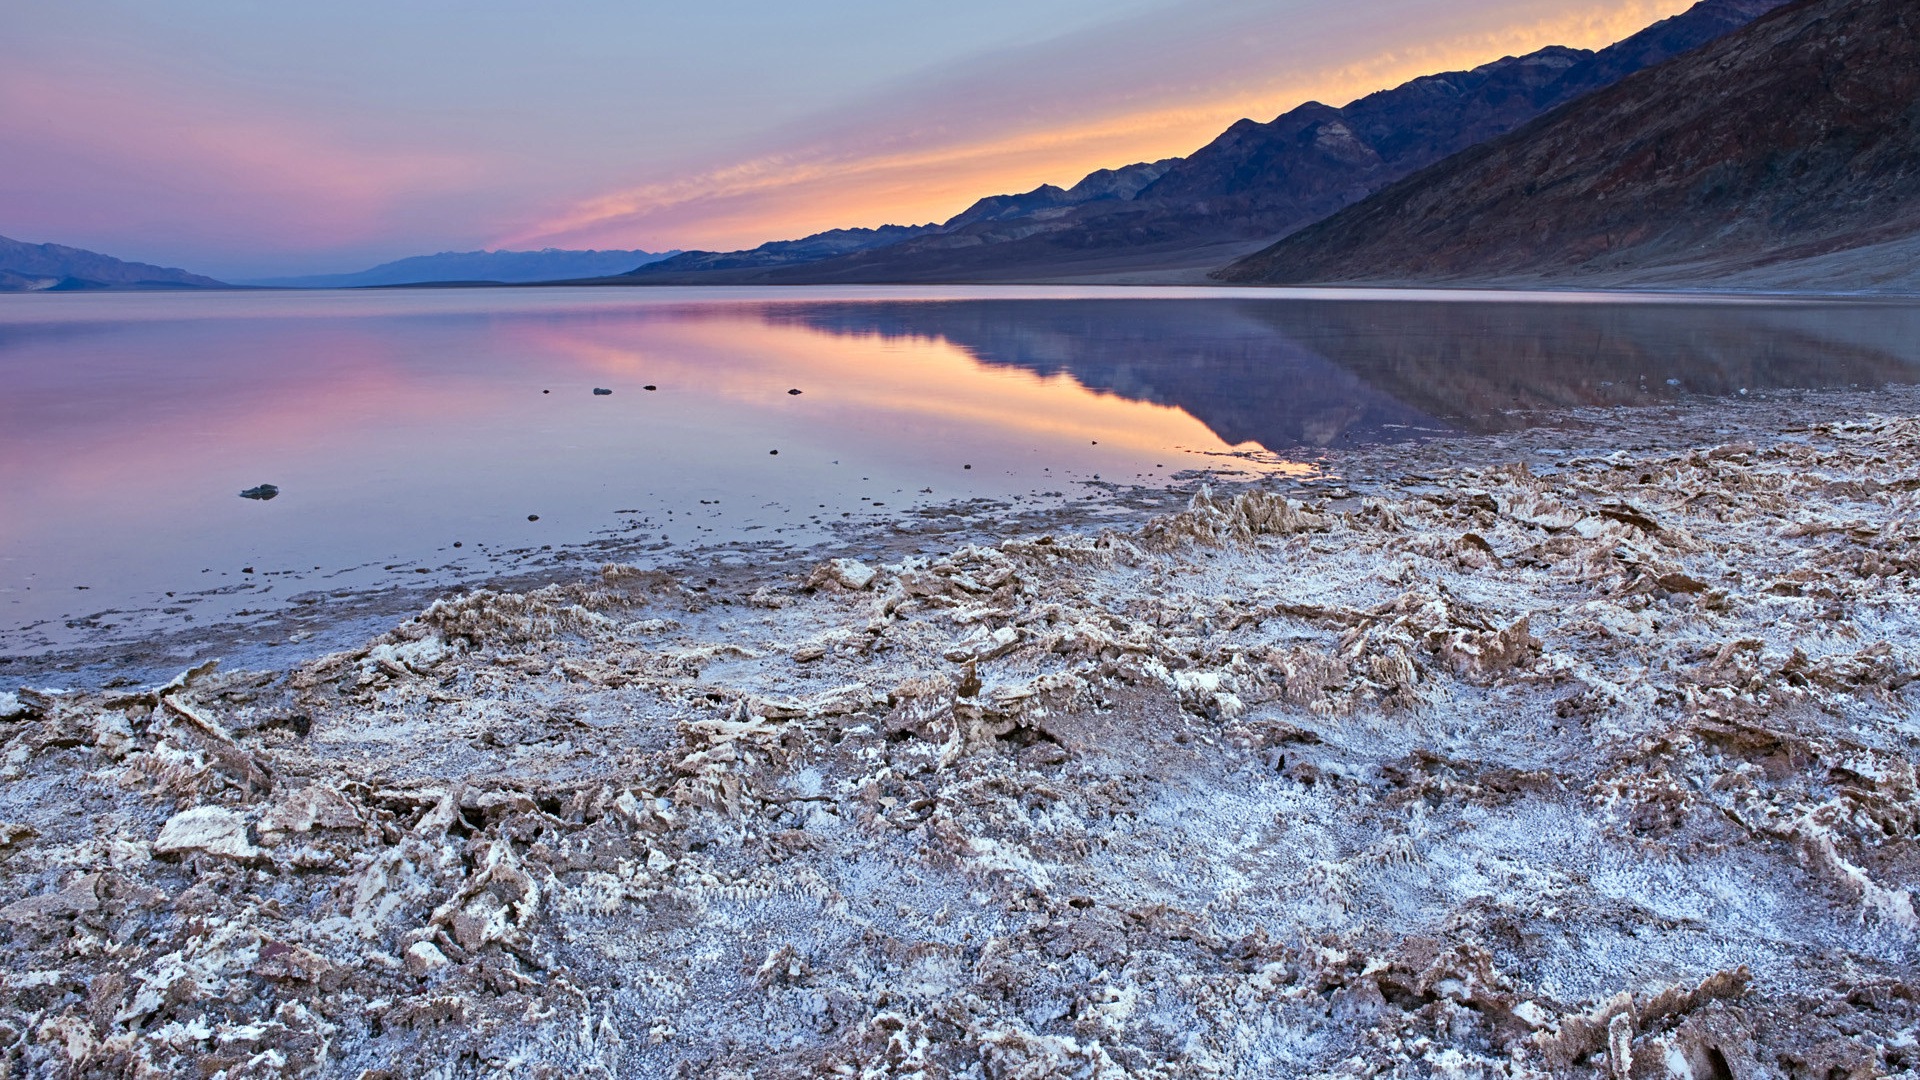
{"x":1785,"y":155}
{"x":513,"y":267}
{"x":808,"y":249}
{"x":1741,"y":143}
{"x":28,"y":267}
{"x":1254,"y":183}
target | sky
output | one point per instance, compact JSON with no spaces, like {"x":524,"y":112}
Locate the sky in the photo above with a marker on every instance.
{"x":243,"y":140}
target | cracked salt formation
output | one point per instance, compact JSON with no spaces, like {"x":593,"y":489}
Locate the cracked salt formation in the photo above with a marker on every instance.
{"x":1603,"y":773}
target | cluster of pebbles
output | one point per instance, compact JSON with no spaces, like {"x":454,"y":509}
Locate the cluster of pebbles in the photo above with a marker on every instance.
{"x":1602,"y":770}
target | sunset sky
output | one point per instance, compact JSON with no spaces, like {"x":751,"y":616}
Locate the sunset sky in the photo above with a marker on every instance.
{"x":242,"y":139}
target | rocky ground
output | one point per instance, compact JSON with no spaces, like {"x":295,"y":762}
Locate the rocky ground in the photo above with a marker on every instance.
{"x":1578,"y":765}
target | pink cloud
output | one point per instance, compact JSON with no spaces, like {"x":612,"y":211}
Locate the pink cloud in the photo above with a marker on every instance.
{"x":1050,"y":114}
{"x":131,"y":157}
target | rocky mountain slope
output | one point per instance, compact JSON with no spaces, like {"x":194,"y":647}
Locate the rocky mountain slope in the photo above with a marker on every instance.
{"x":1793,"y":140}
{"x":28,"y":267}
{"x":1256,"y":181}
{"x":549,"y":264}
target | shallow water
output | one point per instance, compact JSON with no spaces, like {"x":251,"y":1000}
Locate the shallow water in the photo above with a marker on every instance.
{"x":398,"y":424}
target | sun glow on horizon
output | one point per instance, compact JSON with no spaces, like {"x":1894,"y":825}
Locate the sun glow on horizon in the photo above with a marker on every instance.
{"x":289,"y":142}
{"x":828,"y":184}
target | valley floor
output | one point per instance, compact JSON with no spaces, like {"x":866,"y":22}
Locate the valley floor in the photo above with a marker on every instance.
{"x":1562,"y":762}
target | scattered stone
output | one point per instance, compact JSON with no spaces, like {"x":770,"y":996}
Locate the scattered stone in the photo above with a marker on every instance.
{"x":424,"y":958}
{"x":80,"y":896}
{"x":261,"y":493}
{"x":845,"y":573}
{"x":211,"y":830}
{"x":1260,"y":788}
{"x":601,"y":392}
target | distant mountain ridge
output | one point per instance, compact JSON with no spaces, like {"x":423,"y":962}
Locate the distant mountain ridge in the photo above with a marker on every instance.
{"x":1792,"y":142}
{"x":513,"y":267}
{"x":28,"y":267}
{"x":823,"y":245}
{"x":1105,"y":184}
{"x":1254,"y":183}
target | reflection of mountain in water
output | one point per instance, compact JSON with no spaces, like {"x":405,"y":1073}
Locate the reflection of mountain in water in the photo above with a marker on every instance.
{"x":1287,"y":373}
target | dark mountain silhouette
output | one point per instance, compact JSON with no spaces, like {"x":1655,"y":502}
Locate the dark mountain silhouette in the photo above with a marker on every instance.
{"x":1040,"y":203}
{"x":550,"y":264}
{"x":1106,"y":184}
{"x":779,"y":253}
{"x":1255,"y":182}
{"x":1796,"y":139}
{"x":52,"y":267}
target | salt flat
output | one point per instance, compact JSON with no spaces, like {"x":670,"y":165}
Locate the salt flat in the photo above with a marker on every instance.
{"x":1517,"y":758}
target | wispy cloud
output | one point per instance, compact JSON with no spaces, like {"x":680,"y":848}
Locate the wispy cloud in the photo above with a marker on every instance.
{"x":187,"y":171}
{"x":1146,"y":88}
{"x":261,"y":140}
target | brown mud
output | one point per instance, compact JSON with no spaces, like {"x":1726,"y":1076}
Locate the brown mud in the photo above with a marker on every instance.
{"x":1567,"y":764}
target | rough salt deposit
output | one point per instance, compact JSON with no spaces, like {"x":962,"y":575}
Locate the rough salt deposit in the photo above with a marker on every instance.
{"x":1602,"y":770}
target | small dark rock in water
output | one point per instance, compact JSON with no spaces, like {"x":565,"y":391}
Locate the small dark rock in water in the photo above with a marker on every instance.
{"x":773,"y":451}
{"x":649,"y":386}
{"x":966,"y":466}
{"x":456,"y":543}
{"x":600,"y":391}
{"x":546,"y":391}
{"x":533,"y":517}
{"x":794,"y":393}
{"x":262,"y":493}
{"x":246,"y":569}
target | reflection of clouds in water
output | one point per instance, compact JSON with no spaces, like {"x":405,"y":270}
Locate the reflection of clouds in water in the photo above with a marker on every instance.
{"x":1235,"y":374}
{"x":1293,"y":372}
{"x":398,"y":422}
{"x":392,"y":428}
{"x":859,"y":379}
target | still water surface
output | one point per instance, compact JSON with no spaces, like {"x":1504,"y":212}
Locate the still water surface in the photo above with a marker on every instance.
{"x":397,"y":423}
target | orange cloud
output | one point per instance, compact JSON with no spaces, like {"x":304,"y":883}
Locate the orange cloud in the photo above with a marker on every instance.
{"x":858,"y":178}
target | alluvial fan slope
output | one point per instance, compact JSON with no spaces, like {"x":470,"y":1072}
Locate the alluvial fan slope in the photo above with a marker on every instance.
{"x":1607,"y":771}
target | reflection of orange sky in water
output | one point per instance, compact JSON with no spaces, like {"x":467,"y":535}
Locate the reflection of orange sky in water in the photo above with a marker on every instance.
{"x":331,"y":397}
{"x":868,"y":376}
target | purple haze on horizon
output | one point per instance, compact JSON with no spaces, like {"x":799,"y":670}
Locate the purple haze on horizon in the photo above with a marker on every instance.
{"x":244,"y":141}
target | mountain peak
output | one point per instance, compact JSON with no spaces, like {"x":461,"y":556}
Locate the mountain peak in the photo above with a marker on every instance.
{"x":1791,"y":140}
{"x":26,"y":267}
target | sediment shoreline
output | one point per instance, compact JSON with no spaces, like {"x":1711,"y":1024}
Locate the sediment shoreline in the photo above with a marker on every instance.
{"x":1568,"y":764}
